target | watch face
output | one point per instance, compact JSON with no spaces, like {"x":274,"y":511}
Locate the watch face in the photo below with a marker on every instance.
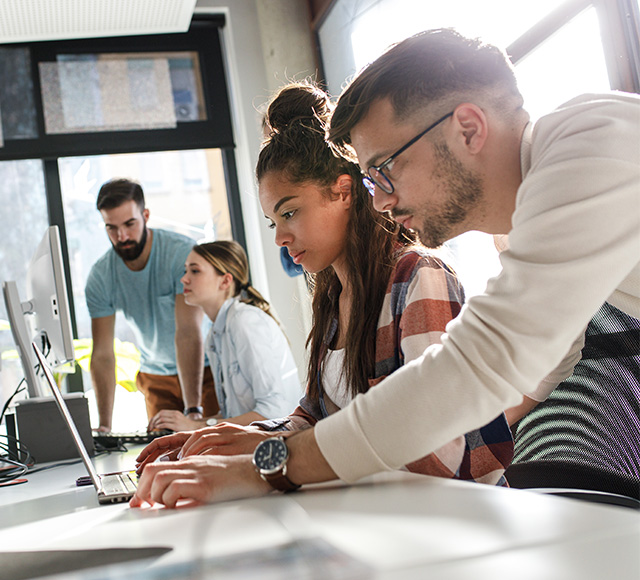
{"x":270,"y":455}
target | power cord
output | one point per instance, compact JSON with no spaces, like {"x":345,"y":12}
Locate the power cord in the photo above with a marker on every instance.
{"x":15,"y":461}
{"x":19,"y":389}
{"x":18,"y":459}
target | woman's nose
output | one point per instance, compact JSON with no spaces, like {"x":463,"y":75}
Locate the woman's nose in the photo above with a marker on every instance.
{"x":283,"y":238}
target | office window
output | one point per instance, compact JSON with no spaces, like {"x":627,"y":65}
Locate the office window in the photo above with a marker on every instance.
{"x":153,"y":108}
{"x":568,"y":62}
{"x":355,"y":33}
{"x":184,"y":191}
{"x":22,"y":205}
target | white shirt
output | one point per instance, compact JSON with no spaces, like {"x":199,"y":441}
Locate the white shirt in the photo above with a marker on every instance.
{"x":252,"y":365}
{"x":333,"y":378}
{"x":574,"y":244}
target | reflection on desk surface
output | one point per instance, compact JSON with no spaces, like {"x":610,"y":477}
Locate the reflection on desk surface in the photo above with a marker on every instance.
{"x":394,"y":525}
{"x":307,"y":559}
{"x":36,"y":564}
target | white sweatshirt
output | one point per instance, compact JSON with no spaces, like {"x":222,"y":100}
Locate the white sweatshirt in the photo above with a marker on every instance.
{"x":574,"y":244}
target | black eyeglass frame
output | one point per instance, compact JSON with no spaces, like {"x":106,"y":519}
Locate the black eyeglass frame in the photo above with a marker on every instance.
{"x":387,"y":186}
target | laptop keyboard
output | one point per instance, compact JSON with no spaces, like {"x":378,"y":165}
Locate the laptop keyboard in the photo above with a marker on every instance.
{"x":126,"y":482}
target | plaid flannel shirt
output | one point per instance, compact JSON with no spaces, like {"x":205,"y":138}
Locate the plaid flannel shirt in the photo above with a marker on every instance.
{"x":422,"y":296}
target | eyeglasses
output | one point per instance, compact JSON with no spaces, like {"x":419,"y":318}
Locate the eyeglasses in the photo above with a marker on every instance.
{"x":375,"y":174}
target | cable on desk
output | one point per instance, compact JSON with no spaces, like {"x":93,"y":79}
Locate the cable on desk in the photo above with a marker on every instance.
{"x":53,"y":465}
{"x":10,"y":473}
{"x":20,"y":388}
{"x":6,"y":405}
{"x":20,"y":460}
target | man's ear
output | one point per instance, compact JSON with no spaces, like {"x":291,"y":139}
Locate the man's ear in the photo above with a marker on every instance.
{"x":145,"y":214}
{"x":342,"y":187}
{"x":472,"y":126}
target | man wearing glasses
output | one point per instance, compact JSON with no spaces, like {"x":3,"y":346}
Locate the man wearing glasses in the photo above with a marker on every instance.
{"x":438,"y":128}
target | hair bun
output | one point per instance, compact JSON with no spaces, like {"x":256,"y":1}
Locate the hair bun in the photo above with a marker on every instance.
{"x":298,"y":103}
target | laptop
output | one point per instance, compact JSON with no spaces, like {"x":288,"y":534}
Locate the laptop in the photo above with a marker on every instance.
{"x":111,"y":487}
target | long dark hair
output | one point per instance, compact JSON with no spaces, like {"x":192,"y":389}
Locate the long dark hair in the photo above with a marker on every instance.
{"x":295,"y":146}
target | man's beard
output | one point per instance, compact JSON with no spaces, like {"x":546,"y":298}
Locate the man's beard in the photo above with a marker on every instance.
{"x":465,"y":193}
{"x":130,"y":252}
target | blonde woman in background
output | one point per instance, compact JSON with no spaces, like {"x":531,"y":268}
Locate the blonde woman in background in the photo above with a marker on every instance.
{"x":253,"y":368}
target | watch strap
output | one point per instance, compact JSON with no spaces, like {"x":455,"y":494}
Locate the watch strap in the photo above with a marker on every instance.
{"x":280,"y":481}
{"x":189,"y":410}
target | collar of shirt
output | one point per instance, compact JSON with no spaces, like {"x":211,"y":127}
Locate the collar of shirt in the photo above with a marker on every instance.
{"x":525,"y":149}
{"x":221,"y":319}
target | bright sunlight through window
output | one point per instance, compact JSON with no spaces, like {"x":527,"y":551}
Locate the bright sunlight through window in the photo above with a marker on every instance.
{"x":568,"y":63}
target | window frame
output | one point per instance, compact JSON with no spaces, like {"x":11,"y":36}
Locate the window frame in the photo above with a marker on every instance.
{"x":620,"y":29}
{"x":215,"y":132}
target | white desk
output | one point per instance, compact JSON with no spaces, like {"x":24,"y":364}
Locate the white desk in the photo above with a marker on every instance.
{"x":397,"y":525}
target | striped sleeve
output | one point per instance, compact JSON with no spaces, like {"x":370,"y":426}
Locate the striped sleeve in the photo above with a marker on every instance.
{"x":423,"y":297}
{"x":434,"y":297}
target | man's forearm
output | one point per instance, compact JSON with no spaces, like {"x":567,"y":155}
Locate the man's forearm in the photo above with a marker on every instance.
{"x":307,"y":464}
{"x":103,"y":377}
{"x":190,"y":362}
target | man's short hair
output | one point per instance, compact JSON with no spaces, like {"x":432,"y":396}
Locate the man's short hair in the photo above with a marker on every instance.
{"x":115,"y":192}
{"x":435,"y":67}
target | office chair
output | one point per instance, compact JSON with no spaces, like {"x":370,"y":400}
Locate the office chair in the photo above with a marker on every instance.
{"x":584,"y":440}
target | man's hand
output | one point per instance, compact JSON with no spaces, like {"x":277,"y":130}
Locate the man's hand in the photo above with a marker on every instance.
{"x":166,"y":447}
{"x":209,"y":478}
{"x":176,"y":421}
{"x":224,"y":439}
{"x":198,"y":480}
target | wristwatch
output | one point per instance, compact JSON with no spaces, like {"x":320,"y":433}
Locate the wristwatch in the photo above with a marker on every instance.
{"x":212,"y":421}
{"x":270,"y":459}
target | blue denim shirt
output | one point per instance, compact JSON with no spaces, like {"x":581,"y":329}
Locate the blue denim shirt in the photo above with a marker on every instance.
{"x":252,"y":364}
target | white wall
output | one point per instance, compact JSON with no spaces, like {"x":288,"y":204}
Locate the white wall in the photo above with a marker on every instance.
{"x":266,"y":43}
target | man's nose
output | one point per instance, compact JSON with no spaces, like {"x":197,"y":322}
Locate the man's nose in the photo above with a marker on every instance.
{"x":383,"y":201}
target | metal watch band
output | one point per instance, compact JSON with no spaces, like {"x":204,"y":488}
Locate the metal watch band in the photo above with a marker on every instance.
{"x":190,"y":410}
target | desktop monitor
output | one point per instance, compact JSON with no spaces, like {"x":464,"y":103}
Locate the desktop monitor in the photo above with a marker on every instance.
{"x":44,"y":317}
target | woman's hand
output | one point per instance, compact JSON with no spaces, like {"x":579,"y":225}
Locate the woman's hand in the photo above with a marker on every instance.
{"x":198,"y":480}
{"x":224,"y":439}
{"x":175,"y":421}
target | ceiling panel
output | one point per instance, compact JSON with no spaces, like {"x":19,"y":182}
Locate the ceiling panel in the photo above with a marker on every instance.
{"x":35,"y":20}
